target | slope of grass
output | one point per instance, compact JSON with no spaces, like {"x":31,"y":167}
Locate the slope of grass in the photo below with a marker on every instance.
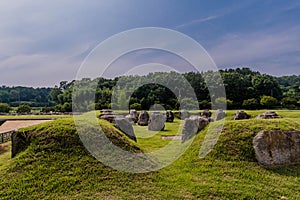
{"x":57,"y":166}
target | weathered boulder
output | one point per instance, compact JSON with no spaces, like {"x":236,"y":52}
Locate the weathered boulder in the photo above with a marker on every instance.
{"x":134,"y":115}
{"x":277,"y":147}
{"x":268,"y":115}
{"x":107,"y":115}
{"x":169,"y":116}
{"x":129,"y":119}
{"x":106,"y":112}
{"x":111,"y":118}
{"x":156,"y":122}
{"x":220,"y":114}
{"x":206,"y":113}
{"x":143,"y":118}
{"x":126,"y":127}
{"x":241,"y":115}
{"x":190,"y":128}
{"x":202,"y":123}
{"x":183,"y":114}
{"x":192,"y":125}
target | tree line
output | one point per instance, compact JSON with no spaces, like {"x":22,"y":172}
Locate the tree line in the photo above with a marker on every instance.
{"x":244,"y":88}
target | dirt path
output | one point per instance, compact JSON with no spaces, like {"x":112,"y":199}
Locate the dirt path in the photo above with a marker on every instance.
{"x":15,"y":125}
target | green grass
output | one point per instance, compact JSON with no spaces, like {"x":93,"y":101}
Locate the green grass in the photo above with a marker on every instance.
{"x":57,"y":166}
{"x":5,"y":153}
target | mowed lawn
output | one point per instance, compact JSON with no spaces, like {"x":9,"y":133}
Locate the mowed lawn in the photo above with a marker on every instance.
{"x":50,"y":169}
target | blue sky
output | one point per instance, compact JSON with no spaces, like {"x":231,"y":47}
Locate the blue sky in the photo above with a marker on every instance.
{"x":44,"y":42}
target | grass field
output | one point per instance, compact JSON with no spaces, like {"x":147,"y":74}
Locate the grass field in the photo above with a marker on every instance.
{"x":57,"y":166}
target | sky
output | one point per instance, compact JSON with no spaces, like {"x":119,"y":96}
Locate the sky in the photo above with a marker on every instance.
{"x":45,"y":42}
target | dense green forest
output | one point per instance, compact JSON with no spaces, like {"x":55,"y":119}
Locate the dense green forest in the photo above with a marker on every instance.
{"x":244,"y":89}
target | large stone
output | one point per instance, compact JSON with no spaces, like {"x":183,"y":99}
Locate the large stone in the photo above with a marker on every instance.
{"x":106,"y":112}
{"x":183,"y":114}
{"x":268,"y":115}
{"x":143,"y":118}
{"x":206,"y":113}
{"x":192,"y":125}
{"x":169,"y":116}
{"x":220,"y":114}
{"x":190,"y":128}
{"x":241,"y":115}
{"x":125,"y":127}
{"x":111,"y":118}
{"x":156,"y":122}
{"x":134,"y":115}
{"x":277,"y":147}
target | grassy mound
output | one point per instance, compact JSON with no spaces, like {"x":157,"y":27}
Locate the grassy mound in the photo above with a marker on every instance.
{"x":57,"y":166}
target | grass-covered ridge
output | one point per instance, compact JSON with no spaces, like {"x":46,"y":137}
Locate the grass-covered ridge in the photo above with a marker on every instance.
{"x":57,"y":166}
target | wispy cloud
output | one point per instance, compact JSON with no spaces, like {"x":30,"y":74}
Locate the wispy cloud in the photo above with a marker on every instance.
{"x":197,"y":21}
{"x":266,"y":48}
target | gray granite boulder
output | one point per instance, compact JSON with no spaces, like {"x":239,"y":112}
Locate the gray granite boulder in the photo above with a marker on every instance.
{"x":156,"y":122}
{"x":277,"y":147}
{"x":220,"y":114}
{"x":183,"y":114}
{"x":169,"y":116}
{"x":241,"y":115}
{"x":201,"y":121}
{"x":206,"y":113}
{"x":126,"y":127}
{"x":190,"y":128}
{"x":268,"y":115}
{"x":134,"y":115}
{"x":193,"y":125}
{"x":143,"y":118}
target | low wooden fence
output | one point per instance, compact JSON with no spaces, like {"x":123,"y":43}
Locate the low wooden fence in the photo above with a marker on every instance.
{"x":6,"y":136}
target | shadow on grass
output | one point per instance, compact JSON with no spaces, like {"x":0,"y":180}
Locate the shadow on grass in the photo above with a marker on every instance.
{"x":291,"y":170}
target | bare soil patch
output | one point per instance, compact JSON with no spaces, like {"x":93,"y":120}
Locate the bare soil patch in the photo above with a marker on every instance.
{"x":171,"y":137}
{"x":15,"y":125}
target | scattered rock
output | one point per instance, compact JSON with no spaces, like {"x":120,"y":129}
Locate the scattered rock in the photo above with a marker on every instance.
{"x":169,"y":116}
{"x":206,"y":113}
{"x":134,"y":115}
{"x":190,"y":128}
{"x":126,"y":127}
{"x":183,"y":114}
{"x":277,"y":147}
{"x":111,"y":118}
{"x":106,"y":112}
{"x":268,"y":115}
{"x":201,"y":121}
{"x":156,"y":122}
{"x":143,"y":118}
{"x":220,"y":114}
{"x":241,"y":115}
{"x":192,"y":125}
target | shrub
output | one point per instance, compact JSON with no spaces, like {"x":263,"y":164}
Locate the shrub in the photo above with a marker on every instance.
{"x":289,"y":102}
{"x":205,"y":104}
{"x":136,"y":106}
{"x":222,"y":102}
{"x":23,"y":108}
{"x":268,"y":101}
{"x":250,"y":104}
{"x":4,"y":108}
